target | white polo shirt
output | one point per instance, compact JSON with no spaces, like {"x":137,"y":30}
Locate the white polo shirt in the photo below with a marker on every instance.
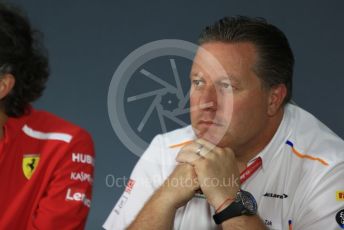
{"x":301,"y":176}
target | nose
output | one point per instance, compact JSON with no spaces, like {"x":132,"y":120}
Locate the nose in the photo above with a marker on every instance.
{"x":208,"y":99}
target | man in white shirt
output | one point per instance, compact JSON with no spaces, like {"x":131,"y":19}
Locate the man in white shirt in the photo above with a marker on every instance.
{"x":250,"y":159}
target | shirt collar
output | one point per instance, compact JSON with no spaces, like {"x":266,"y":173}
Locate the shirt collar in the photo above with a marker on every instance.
{"x":277,"y":142}
{"x":14,"y":125}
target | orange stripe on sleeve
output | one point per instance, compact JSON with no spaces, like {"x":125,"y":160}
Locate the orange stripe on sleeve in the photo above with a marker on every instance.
{"x":305,"y":156}
{"x":309,"y":157}
{"x":181,"y":144}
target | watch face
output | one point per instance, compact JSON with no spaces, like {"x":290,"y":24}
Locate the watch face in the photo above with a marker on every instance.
{"x":249,"y":202}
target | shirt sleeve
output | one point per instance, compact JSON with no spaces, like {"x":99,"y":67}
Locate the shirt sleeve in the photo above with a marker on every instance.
{"x":66,"y":202}
{"x":144,"y":180}
{"x":319,"y":209}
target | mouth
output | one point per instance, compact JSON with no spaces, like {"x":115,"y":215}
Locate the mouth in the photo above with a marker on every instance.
{"x":209,"y":123}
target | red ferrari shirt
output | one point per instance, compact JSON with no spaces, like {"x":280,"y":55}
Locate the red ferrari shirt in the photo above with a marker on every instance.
{"x":46,"y":173}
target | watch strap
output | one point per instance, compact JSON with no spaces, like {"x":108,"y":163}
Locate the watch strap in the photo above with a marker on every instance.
{"x":244,"y":204}
{"x":233,"y":210}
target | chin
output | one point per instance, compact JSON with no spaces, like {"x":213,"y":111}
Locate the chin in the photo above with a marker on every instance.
{"x":215,"y":139}
{"x":216,"y":135}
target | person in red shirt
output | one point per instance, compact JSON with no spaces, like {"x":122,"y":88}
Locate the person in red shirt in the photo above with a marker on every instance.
{"x":46,"y":163}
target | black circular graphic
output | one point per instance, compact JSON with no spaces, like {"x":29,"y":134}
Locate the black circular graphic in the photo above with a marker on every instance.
{"x":340,"y":218}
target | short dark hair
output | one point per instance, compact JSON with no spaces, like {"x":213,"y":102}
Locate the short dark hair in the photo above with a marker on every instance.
{"x":275,"y":58}
{"x":22,"y":55}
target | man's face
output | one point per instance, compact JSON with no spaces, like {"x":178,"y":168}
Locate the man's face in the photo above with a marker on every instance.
{"x":228,"y":108}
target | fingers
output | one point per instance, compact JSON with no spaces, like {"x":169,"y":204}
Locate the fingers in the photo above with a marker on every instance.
{"x":209,"y":146}
{"x":190,"y":153}
{"x":197,"y":150}
{"x":185,"y":166}
{"x":214,"y":150}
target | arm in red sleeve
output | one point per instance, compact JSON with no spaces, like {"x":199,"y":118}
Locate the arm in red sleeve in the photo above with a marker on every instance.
{"x":66,"y":202}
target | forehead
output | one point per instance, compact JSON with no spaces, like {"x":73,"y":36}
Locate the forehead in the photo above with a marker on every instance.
{"x":236,"y":59}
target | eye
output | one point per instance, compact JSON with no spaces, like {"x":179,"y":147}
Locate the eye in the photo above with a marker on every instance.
{"x":225,"y":85}
{"x":197,"y":83}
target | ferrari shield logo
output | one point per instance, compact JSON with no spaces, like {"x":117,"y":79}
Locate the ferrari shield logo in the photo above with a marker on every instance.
{"x":30,"y":162}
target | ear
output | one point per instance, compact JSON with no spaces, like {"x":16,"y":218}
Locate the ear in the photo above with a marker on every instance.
{"x":7,"y":82}
{"x":276,"y":97}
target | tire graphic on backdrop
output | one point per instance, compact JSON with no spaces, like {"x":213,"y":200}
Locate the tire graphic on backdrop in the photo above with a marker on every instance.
{"x":169,"y":101}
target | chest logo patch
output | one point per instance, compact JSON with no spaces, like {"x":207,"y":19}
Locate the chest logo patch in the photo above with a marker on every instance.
{"x":278,"y":196}
{"x":29,"y":164}
{"x":340,"y":195}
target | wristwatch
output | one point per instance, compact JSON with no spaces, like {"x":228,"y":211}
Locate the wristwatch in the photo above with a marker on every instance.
{"x":244,"y":204}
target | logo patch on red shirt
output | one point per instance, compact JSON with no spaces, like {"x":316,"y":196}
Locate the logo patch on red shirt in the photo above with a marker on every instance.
{"x":29,"y":164}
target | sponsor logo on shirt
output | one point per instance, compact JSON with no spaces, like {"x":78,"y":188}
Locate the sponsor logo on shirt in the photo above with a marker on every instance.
{"x":273,"y":223}
{"x":77,"y":195}
{"x":81,"y":176}
{"x":268,"y":222}
{"x":82,"y":158}
{"x":29,"y":164}
{"x":130,"y":185}
{"x":340,"y":218}
{"x":340,"y":195}
{"x":124,"y":198}
{"x":120,"y":204}
{"x":273,"y":195}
